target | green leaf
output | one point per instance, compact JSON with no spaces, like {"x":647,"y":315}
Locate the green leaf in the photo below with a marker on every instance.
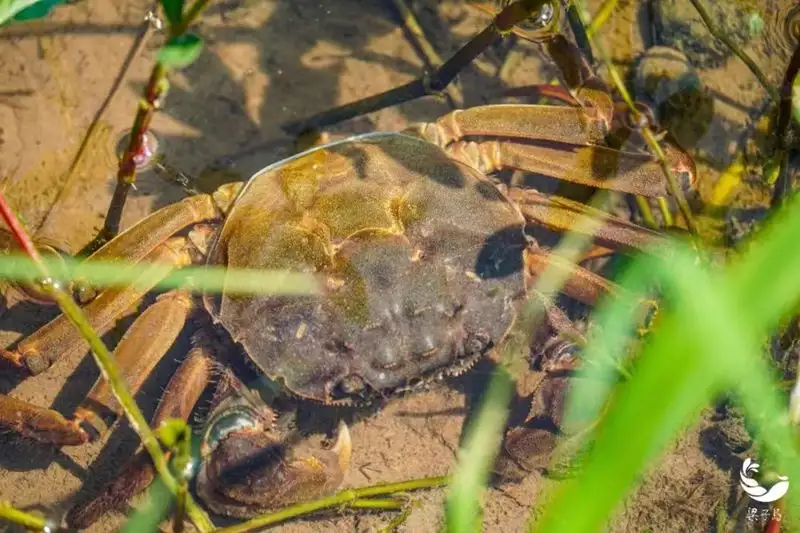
{"x":173,"y":10}
{"x":96,"y":273}
{"x":181,"y":51}
{"x":171,"y":432}
{"x":25,"y":9}
{"x":483,"y":437}
{"x":152,"y":511}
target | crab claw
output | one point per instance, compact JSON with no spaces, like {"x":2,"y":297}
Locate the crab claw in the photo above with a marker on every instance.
{"x":529,"y":447}
{"x":249,"y":471}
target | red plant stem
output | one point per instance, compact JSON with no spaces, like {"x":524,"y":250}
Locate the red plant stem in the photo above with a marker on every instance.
{"x":19,"y":233}
{"x":126,"y":174}
{"x":148,"y":105}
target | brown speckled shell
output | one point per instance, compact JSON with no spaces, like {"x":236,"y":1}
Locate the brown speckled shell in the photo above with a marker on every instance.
{"x":420,"y":257}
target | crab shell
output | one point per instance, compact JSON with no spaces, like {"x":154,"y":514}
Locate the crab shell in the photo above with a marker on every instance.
{"x":418,"y":255}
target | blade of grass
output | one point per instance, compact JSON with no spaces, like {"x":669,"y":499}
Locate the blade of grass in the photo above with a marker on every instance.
{"x":9,"y":8}
{"x":205,"y":278}
{"x":710,"y":340}
{"x":672,"y":383}
{"x":358,"y":497}
{"x":649,"y":137}
{"x":766,"y":279}
{"x":484,"y":436}
{"x":155,"y":509}
{"x":27,"y":520}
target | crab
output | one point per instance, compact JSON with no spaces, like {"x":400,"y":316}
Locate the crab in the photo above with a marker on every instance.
{"x":422,"y":263}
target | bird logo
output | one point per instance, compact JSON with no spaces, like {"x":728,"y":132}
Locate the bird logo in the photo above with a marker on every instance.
{"x":755,"y":490}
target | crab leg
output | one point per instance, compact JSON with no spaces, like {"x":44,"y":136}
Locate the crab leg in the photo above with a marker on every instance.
{"x":136,"y":242}
{"x":432,"y":83}
{"x":561,"y":124}
{"x":579,"y":78}
{"x":574,"y":158}
{"x":137,"y":353}
{"x":140,"y":349}
{"x":582,"y":285}
{"x":59,"y":337}
{"x":39,"y":423}
{"x":561,"y":214}
{"x":178,"y":401}
{"x":593,"y":166}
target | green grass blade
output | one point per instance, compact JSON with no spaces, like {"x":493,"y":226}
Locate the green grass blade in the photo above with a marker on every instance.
{"x":9,"y":8}
{"x":709,"y":340}
{"x":203,"y":278}
{"x":153,"y":510}
{"x":484,"y":436}
{"x":478,"y":453}
{"x":671,"y":384}
{"x":767,"y":280}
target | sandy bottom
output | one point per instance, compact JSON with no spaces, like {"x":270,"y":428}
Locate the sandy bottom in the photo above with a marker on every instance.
{"x":266,"y":63}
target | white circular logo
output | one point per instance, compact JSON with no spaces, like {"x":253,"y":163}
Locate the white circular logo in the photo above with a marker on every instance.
{"x":756,"y":491}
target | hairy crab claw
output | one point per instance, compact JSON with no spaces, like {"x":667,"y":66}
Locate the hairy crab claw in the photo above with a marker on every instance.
{"x":249,"y":468}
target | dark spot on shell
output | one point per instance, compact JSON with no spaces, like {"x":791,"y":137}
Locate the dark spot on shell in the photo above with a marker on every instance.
{"x":450,"y":310}
{"x":488,"y":191}
{"x":338,"y":347}
{"x":501,"y":254}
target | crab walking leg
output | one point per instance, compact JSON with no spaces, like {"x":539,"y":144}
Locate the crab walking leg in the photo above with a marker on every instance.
{"x":579,"y":78}
{"x":39,"y":423}
{"x":137,"y":353}
{"x":140,"y":349}
{"x":561,"y":214}
{"x":562,"y":124}
{"x":178,"y":401}
{"x":593,"y":166}
{"x":432,"y":83}
{"x":582,"y":285}
{"x":132,"y":245}
{"x":140,"y":239}
{"x":59,"y":338}
{"x":530,"y":446}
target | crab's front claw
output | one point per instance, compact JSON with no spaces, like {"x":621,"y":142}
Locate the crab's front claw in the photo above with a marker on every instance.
{"x":530,"y":446}
{"x":250,"y":471}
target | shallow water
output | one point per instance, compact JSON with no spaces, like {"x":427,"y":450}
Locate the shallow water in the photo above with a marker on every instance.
{"x":266,"y":63}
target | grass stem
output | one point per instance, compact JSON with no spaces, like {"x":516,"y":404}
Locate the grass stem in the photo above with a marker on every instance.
{"x":724,"y":39}
{"x":355,"y":498}
{"x":27,"y":520}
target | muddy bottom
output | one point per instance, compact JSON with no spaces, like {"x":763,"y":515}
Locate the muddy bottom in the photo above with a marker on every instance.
{"x":266,"y":63}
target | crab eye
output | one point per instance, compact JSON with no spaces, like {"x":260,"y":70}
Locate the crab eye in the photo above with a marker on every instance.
{"x":226,"y":422}
{"x":350,"y":387}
